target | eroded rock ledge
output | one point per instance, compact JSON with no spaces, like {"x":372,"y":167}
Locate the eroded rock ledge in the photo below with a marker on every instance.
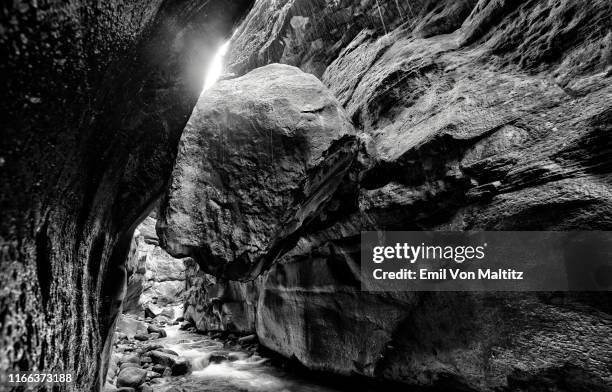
{"x":468,"y":115}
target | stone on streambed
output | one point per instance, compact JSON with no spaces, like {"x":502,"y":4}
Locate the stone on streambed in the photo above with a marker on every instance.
{"x":141,"y":337}
{"x":168,"y":351}
{"x":131,"y":377}
{"x":151,"y":347}
{"x":152,"y":374}
{"x":127,"y":365}
{"x":133,"y":358}
{"x":249,"y":339}
{"x":146,"y":388}
{"x":154,"y":329}
{"x":243,"y":155}
{"x":217,"y":357}
{"x":178,"y":365}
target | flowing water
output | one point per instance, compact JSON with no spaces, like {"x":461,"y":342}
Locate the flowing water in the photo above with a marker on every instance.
{"x":241,"y":372}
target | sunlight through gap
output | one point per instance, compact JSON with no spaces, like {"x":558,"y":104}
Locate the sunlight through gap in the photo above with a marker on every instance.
{"x":215,"y":69}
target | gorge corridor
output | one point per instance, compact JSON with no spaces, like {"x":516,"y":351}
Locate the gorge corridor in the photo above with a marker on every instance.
{"x":334,"y":118}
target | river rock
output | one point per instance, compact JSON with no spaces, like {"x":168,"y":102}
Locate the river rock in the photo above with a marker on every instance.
{"x":162,"y":358}
{"x":168,"y":351}
{"x":131,"y":358}
{"x":128,"y":364}
{"x":217,"y":357}
{"x":131,"y":377}
{"x":141,"y":337}
{"x":152,"y":374}
{"x":158,"y":368}
{"x":181,"y":366}
{"x":249,"y":339}
{"x":146,"y":388}
{"x":160,"y":331}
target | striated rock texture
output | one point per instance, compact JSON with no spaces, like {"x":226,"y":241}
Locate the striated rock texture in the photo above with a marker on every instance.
{"x":310,"y":34}
{"x":94,"y":98}
{"x":156,"y":280}
{"x":471,"y":115}
{"x":241,"y":159}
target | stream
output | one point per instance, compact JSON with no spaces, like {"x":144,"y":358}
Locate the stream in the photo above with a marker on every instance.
{"x":241,"y":372}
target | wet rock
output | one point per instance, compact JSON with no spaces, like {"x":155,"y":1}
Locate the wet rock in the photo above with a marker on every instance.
{"x":177,"y":365}
{"x":160,"y":331}
{"x":217,"y":357}
{"x":146,"y":388}
{"x":152,"y":374}
{"x":162,"y":358}
{"x":181,"y":366}
{"x":131,"y":377}
{"x":141,"y":337}
{"x":151,"y":347}
{"x":125,"y":389}
{"x":128,"y":364}
{"x":159,"y":368}
{"x":168,"y":351}
{"x":131,"y":358}
{"x":249,"y":339}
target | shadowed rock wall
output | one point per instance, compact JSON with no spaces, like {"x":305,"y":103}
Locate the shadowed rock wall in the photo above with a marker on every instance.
{"x":95,"y":96}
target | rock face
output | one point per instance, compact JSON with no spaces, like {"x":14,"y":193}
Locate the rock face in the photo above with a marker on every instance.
{"x":216,"y":304}
{"x":471,"y":115}
{"x":156,"y":280}
{"x":94,"y":99}
{"x":241,"y":159}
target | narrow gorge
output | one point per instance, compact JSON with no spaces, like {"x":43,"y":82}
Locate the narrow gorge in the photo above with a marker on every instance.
{"x":210,"y":240}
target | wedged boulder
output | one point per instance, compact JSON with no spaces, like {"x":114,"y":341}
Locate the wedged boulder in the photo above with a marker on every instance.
{"x":131,"y":377}
{"x":242,"y":156}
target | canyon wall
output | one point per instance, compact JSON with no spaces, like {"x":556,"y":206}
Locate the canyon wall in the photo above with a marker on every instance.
{"x":465,"y":115}
{"x":95,"y":96}
{"x":155,"y":280}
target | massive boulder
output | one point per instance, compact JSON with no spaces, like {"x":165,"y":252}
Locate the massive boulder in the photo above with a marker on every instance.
{"x":471,"y":115}
{"x":94,"y":98}
{"x":241,"y":159}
